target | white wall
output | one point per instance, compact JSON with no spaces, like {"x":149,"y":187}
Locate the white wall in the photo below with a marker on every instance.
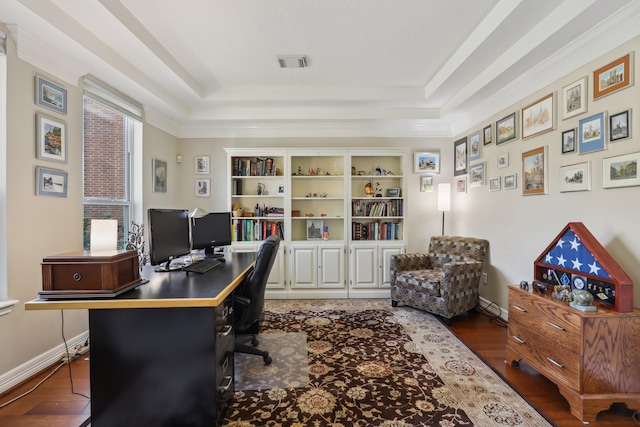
{"x":519,"y":228}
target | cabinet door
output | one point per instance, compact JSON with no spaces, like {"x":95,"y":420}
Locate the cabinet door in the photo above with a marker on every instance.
{"x":385,"y":263}
{"x":304,"y":266}
{"x":331,"y":266}
{"x":276,"y":277}
{"x":364,"y":263}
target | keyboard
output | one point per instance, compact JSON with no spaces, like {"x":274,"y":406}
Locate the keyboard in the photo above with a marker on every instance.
{"x":202,"y":266}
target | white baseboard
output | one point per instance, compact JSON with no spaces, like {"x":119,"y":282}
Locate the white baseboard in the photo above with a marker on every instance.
{"x":495,"y":309}
{"x":30,"y":368}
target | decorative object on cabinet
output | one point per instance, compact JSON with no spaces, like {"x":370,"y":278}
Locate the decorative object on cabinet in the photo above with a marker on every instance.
{"x":159,"y":169}
{"x":569,"y":141}
{"x":203,"y":187}
{"x":591,"y":133}
{"x":620,"y":126}
{"x":51,"y":182}
{"x":592,"y":268}
{"x":494,"y":184}
{"x":586,"y":354}
{"x":574,"y":98}
{"x":477,"y":174}
{"x":136,"y":242}
{"x":444,"y":200}
{"x":503,"y":160}
{"x":51,"y":138}
{"x":460,"y":157}
{"x":314,"y":229}
{"x":506,"y":129}
{"x":539,"y":117}
{"x":576,"y":177}
{"x":475,"y":146}
{"x":487,"y":133}
{"x":444,"y":281}
{"x":426,"y":184}
{"x":510,"y":181}
{"x":461,"y":184}
{"x":535,"y":171}
{"x":51,"y":96}
{"x":202,"y":165}
{"x":621,"y":171}
{"x":613,"y":77}
{"x":426,"y":162}
{"x":393,"y":192}
{"x":368,"y":189}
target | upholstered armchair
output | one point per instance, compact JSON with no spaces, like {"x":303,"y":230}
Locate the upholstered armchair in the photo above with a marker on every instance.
{"x":444,"y":281}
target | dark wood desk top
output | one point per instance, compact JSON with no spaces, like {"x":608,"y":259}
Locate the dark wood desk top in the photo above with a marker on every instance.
{"x":172,"y":289}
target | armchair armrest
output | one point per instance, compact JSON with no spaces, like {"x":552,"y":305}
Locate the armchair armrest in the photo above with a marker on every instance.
{"x":460,"y":276}
{"x":413,"y":261}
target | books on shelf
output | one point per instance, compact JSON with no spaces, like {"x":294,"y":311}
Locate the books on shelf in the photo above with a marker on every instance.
{"x":376,"y":230}
{"x":253,"y":230}
{"x":371,"y":208}
{"x":259,"y":166}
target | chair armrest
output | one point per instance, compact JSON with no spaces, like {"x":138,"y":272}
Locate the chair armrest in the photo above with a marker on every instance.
{"x":241,"y":306}
{"x":413,"y":261}
{"x":460,"y":276}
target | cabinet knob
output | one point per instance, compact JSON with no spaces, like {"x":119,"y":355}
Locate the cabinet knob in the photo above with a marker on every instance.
{"x":77,"y":277}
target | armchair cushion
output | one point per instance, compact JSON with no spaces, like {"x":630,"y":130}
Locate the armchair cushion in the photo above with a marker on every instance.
{"x":444,"y":280}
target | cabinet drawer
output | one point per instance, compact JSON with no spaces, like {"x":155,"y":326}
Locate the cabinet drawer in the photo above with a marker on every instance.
{"x":545,"y":355}
{"x":554,"y":321}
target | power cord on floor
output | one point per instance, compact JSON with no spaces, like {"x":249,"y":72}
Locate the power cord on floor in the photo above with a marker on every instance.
{"x":34,"y":387}
{"x":66,"y":347}
{"x":493,"y":316}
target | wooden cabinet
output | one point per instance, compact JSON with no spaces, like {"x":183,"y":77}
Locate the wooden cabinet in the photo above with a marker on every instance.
{"x":593,"y":357}
{"x":315,"y":267}
{"x":370,"y":268}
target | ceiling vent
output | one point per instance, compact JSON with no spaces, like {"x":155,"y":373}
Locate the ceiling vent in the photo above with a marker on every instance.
{"x":292,"y":61}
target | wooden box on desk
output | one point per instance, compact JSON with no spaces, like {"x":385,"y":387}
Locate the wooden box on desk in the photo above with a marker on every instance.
{"x":89,"y":274}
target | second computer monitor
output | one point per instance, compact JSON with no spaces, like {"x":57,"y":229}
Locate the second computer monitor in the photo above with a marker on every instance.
{"x":211,"y":231}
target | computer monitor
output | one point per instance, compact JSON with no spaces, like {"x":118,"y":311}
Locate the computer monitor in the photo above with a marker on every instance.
{"x":211,"y":231}
{"x":169,"y":236}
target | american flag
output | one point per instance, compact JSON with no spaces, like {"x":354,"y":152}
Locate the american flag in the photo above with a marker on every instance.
{"x":569,"y":253}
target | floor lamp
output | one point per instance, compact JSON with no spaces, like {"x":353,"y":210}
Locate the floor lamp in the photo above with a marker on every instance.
{"x":444,"y":200}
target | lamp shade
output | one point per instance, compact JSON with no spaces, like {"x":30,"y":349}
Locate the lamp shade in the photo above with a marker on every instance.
{"x":198,"y":213}
{"x":444,"y":197}
{"x":103,"y":235}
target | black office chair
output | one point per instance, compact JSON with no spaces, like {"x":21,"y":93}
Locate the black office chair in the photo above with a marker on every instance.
{"x":248,"y":301}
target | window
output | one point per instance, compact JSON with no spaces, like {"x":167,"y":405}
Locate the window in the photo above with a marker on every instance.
{"x":112,"y":126}
{"x":5,"y":305}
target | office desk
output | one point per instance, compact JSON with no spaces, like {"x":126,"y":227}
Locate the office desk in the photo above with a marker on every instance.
{"x":162,"y":353}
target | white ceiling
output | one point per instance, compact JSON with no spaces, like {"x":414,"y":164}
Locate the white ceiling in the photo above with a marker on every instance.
{"x":205,"y":68}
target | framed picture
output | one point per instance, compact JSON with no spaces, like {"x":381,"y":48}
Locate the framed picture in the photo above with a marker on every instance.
{"x":202,"y":165}
{"x":314,"y":229}
{"x":538,"y":117}
{"x":503,"y":160}
{"x":475,"y":146}
{"x":574,"y":98}
{"x":393,"y":192}
{"x":487,"y":135}
{"x":51,"y":139}
{"x":51,"y":96}
{"x":620,"y":171}
{"x":534,"y":171}
{"x":569,"y":141}
{"x":575,"y":177}
{"x":461,"y":184}
{"x":426,"y":184}
{"x":426,"y":162}
{"x":159,"y":169}
{"x":203,"y":187}
{"x":591,"y":132}
{"x":510,"y":181}
{"x":51,"y":182}
{"x":620,"y":126}
{"x":476,"y":174}
{"x":460,"y":157}
{"x":613,"y":77}
{"x":506,"y":129}
{"x":494,"y":184}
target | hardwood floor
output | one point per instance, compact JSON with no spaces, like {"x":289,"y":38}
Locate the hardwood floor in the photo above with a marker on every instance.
{"x":53,"y":404}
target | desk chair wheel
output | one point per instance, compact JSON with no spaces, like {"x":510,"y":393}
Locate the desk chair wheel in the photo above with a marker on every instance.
{"x":254,"y":341}
{"x":267,"y":359}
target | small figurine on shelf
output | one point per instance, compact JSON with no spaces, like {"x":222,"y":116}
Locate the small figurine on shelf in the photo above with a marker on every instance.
{"x":325,"y":232}
{"x":378,"y":190}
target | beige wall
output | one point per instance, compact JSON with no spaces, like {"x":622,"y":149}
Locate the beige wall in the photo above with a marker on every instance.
{"x":520,"y":227}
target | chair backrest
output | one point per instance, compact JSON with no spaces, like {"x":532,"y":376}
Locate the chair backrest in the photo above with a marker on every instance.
{"x":444,"y":249}
{"x":255,"y":285}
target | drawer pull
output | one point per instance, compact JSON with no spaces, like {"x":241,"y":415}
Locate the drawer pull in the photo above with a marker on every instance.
{"x":519,"y":308}
{"x":559,"y":365}
{"x":225,"y":385}
{"x":226,"y":330}
{"x":555,"y":326}
{"x":520,"y":340}
{"x":225,"y":364}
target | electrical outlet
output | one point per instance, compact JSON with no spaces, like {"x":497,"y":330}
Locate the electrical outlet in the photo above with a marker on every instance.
{"x":483,"y":278}
{"x":74,"y":353}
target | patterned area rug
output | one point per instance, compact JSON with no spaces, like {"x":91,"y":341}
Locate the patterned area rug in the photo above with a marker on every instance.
{"x":373,"y":365}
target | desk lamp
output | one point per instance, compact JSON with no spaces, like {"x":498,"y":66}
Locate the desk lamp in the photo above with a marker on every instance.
{"x":197,"y":213}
